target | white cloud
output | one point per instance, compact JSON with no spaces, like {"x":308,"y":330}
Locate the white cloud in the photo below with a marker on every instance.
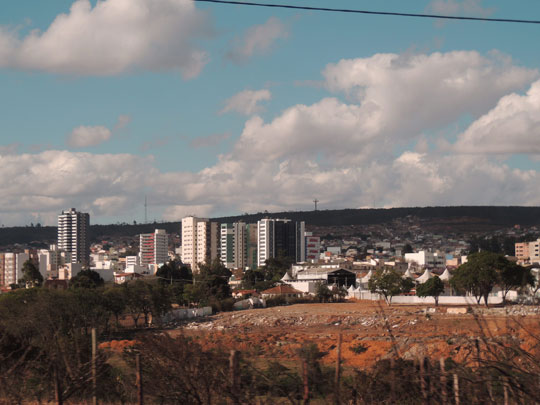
{"x":246,"y":102}
{"x":412,"y":93}
{"x":513,"y":126}
{"x":83,"y":136}
{"x":355,"y":154}
{"x":257,"y":40}
{"x":113,"y":37}
{"x":454,"y":7}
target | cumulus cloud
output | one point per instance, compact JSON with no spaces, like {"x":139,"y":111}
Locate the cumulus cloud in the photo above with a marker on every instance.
{"x":454,"y":7}
{"x":412,"y":93}
{"x":513,"y":126}
{"x":83,"y":136}
{"x":246,"y":102}
{"x":113,"y":37}
{"x":347,"y":154}
{"x":257,"y":40}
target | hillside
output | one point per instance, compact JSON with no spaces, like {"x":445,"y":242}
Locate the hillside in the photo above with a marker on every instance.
{"x":470,"y":218}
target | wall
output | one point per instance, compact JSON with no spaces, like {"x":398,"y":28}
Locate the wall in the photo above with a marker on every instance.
{"x":186,"y":313}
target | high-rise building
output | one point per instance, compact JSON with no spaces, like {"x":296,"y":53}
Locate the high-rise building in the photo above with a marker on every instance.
{"x":49,"y":261}
{"x":280,"y":237}
{"x":235,"y":244}
{"x":73,"y":238}
{"x":200,"y":241}
{"x":153,"y":248}
{"x":313,"y":246}
{"x":11,"y":267}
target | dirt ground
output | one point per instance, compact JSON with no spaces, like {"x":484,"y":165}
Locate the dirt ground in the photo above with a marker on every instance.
{"x":370,"y":331}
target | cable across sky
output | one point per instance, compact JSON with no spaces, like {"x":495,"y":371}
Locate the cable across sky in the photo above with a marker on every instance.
{"x":384,"y":13}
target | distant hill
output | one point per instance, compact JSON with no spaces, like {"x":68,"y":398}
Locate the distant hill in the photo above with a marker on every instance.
{"x":475,"y":218}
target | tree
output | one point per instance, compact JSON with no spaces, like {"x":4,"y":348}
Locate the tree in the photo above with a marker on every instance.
{"x":114,"y":301}
{"x":322,"y":292}
{"x":252,"y":278}
{"x":174,"y":272}
{"x":213,"y":280}
{"x":513,"y":276}
{"x":388,"y":283}
{"x":86,"y":279}
{"x":431,"y":288}
{"x":478,"y":275}
{"x":407,"y":249}
{"x":31,"y":275}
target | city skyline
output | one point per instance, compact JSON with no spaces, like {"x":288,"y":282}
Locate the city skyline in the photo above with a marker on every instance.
{"x":217,"y":110}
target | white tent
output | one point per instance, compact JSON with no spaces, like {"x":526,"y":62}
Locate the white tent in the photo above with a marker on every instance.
{"x":424,"y":277}
{"x":408,"y":274}
{"x":446,"y":275}
{"x":286,"y":277}
{"x":366,"y":278}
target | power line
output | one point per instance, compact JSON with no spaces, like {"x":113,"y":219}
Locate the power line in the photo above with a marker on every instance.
{"x":385,"y":13}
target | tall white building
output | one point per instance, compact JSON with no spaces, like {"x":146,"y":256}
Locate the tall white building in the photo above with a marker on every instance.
{"x":73,"y":238}
{"x":426,"y":259}
{"x":200,"y":241}
{"x":11,"y":267}
{"x":153,"y":248}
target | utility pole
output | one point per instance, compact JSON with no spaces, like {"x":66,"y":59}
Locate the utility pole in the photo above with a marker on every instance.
{"x":315,"y":201}
{"x":94,"y":371}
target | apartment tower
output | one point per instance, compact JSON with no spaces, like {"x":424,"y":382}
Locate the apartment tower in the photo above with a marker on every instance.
{"x":73,"y":238}
{"x":200,"y":241}
{"x":154,"y":248}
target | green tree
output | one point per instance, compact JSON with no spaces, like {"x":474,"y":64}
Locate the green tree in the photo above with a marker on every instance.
{"x":388,"y":283}
{"x":139,"y":300}
{"x":513,"y":276}
{"x":115,"y":301}
{"x":174,"y":272}
{"x":86,"y":279}
{"x":322,"y":292}
{"x":31,"y":275}
{"x":407,"y":249}
{"x":213,"y":280}
{"x":431,"y":288}
{"x":478,"y":275}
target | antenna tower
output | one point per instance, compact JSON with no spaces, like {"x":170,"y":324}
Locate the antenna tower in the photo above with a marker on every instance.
{"x":145,"y":210}
{"x":315,"y":201}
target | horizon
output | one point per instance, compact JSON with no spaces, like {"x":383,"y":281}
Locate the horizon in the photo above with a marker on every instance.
{"x":179,"y":220}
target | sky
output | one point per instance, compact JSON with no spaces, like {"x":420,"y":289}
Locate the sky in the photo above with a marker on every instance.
{"x":209,"y":109}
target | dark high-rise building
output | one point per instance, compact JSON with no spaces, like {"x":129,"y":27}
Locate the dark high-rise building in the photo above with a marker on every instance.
{"x":280,"y":237}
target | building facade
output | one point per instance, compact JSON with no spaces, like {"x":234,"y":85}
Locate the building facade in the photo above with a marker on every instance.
{"x":73,"y":238}
{"x":200,"y":241}
{"x":239,"y":245}
{"x":153,"y":248}
{"x":11,"y":267}
{"x":280,"y":237}
{"x":313,"y":246}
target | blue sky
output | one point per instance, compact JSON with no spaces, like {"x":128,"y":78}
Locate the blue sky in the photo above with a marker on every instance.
{"x":212,"y":109}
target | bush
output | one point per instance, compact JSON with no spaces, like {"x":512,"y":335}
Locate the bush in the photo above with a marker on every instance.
{"x":224,"y":305}
{"x":358,"y":349}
